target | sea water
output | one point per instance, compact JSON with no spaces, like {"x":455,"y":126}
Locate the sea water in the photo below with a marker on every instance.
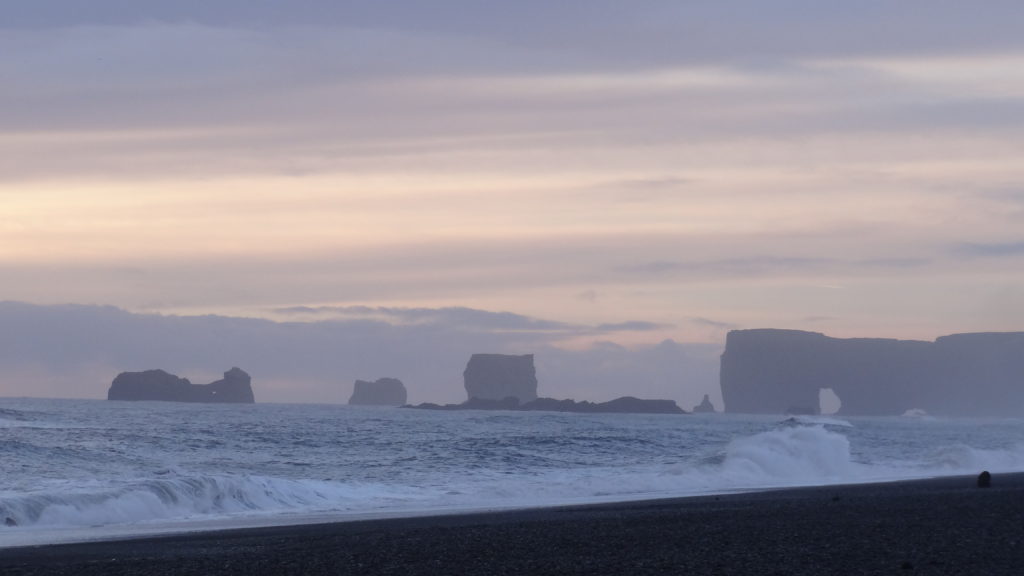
{"x":87,"y":469}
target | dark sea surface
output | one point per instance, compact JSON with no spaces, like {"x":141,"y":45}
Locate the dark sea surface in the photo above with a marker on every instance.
{"x":92,"y":469}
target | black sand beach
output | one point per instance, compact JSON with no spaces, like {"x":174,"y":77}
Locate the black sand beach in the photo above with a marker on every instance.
{"x":942,"y":526}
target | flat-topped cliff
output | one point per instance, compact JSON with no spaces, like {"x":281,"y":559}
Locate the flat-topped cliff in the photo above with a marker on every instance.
{"x":382,"y":392}
{"x":778,"y":371}
{"x":235,"y":387}
{"x":500,"y":376}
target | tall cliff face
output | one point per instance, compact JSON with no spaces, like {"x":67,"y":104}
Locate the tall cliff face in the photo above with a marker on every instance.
{"x":383,"y":392}
{"x":777,"y":371}
{"x":499,"y":376}
{"x":235,"y":387}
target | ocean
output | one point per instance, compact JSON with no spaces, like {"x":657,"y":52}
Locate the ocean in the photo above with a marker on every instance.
{"x":73,"y":470}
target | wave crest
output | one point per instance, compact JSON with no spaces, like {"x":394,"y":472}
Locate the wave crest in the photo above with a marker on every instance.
{"x":793,"y":455}
{"x":172,"y":499}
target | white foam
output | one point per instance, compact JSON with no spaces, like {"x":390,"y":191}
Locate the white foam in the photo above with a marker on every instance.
{"x":190,"y":497}
{"x":963,"y":459}
{"x":786,"y":456}
{"x":822,"y":420}
{"x":798,"y":455}
{"x":105,"y":483}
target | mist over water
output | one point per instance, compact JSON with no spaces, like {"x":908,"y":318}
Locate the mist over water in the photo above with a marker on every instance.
{"x":78,"y":469}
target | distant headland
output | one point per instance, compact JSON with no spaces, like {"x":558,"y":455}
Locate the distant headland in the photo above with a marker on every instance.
{"x":778,"y":371}
{"x":235,"y":387}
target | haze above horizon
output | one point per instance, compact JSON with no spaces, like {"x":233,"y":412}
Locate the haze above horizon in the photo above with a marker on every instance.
{"x":650,"y":171}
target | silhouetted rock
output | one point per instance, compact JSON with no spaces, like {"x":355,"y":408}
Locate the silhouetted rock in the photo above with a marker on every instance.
{"x":631,"y":405}
{"x":501,"y":382}
{"x":777,"y":371}
{"x":553,"y":405}
{"x":624,"y":405}
{"x":383,"y":392}
{"x":984,"y":479}
{"x":235,"y":387}
{"x":705,"y":406}
{"x":499,"y":376}
{"x":507,"y":403}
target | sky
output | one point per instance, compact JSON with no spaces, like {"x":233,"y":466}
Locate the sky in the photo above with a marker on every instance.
{"x":643,"y":174}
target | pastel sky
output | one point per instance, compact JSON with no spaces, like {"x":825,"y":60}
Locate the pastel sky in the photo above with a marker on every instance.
{"x":662,"y":169}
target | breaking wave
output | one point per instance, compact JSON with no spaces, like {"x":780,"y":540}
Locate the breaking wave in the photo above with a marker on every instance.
{"x":82,"y":467}
{"x":186,"y":498}
{"x":800,"y":455}
{"x":791,"y":455}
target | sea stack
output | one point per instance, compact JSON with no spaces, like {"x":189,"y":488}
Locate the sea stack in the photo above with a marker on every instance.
{"x":705,"y":406}
{"x":235,"y":387}
{"x":500,"y":376}
{"x":383,"y":392}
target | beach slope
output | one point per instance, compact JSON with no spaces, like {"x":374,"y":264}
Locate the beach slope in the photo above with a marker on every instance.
{"x":940,"y":526}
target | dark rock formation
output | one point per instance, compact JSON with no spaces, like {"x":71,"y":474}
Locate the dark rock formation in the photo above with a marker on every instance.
{"x":778,"y":371}
{"x":631,"y":405}
{"x":235,"y":387}
{"x":705,"y":406}
{"x":499,"y":376}
{"x":985,"y":479}
{"x":501,"y":382}
{"x":554,"y":405}
{"x":383,"y":392}
{"x":508,"y":403}
{"x":624,"y":405}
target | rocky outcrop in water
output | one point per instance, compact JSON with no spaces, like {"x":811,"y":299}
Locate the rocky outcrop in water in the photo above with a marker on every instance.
{"x":383,"y":392}
{"x":500,"y":376}
{"x":501,"y":382}
{"x":623,"y":405}
{"x":779,"y":371}
{"x":235,"y":387}
{"x":705,"y":406}
{"x":631,"y":405}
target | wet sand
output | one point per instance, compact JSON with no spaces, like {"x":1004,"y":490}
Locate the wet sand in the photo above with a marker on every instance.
{"x":941,"y":526}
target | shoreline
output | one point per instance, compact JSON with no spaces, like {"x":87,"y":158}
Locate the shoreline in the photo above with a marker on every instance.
{"x":173,"y":528}
{"x":933,"y":526}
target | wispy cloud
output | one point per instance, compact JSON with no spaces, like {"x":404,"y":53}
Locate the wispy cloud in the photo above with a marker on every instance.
{"x":817,"y":319}
{"x":455,"y":317}
{"x":893,"y":262}
{"x":753,"y":265}
{"x":713,"y":323}
{"x":991,"y":249}
{"x":470,"y":319}
{"x":636,"y":191}
{"x":772,"y":265}
{"x":587,"y":295}
{"x":632,"y":326}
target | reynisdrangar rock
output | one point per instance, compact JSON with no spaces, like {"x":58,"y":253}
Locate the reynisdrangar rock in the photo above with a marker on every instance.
{"x":500,"y":376}
{"x":382,"y":392}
